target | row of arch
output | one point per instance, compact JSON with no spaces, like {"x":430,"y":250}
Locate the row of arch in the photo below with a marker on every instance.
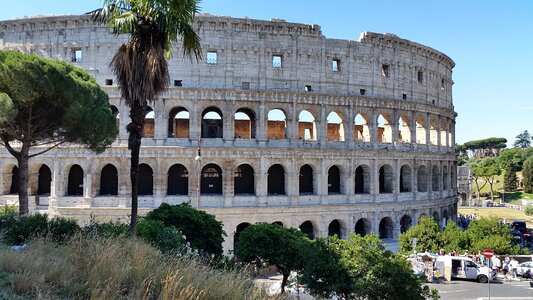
{"x":244,"y":183}
{"x":382,"y":127}
{"x":385,"y":230}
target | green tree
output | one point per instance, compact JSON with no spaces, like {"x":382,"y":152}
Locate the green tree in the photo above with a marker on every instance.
{"x":509,"y":178}
{"x":488,"y":171}
{"x":527,"y":174}
{"x":285,"y":248}
{"x":453,"y":238}
{"x":523,"y":140}
{"x":202,"y":230}
{"x":46,"y":103}
{"x":488,"y":232}
{"x":367,"y":271}
{"x":141,"y":63}
{"x":427,"y":234}
{"x":489,"y":143}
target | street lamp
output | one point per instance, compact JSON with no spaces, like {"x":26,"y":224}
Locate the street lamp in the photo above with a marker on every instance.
{"x":198,"y":158}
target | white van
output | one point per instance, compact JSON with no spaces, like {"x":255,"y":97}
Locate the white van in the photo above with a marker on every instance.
{"x":459,"y":267}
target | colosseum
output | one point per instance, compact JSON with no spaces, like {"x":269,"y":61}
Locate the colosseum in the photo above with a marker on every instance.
{"x":276,"y":123}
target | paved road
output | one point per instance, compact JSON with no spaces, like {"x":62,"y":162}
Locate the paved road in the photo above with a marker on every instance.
{"x":471,"y":290}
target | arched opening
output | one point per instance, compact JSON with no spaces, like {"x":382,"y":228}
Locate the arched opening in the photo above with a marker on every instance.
{"x":276,"y":125}
{"x":75,"y":181}
{"x":178,"y":123}
{"x":109,"y":180}
{"x":405,"y":179}
{"x":306,"y":126}
{"x":334,"y":228}
{"x":278,"y":223}
{"x":386,"y":228}
{"x":178,"y":180}
{"x":212,"y":125}
{"x":44,"y":181}
{"x":436,"y":217}
{"x":308,"y":229}
{"x":433,"y":132}
{"x":146,"y":180}
{"x":244,"y":183}
{"x":405,"y":223}
{"x":404,"y":131}
{"x":211,"y":180}
{"x":362,"y":180}
{"x":361,"y":128}
{"x":149,"y":123}
{"x":445,"y":215}
{"x":334,"y":180}
{"x":237,"y":234}
{"x":385,"y":179}
{"x":435,"y":179}
{"x":335,"y":129}
{"x":276,"y":180}
{"x":422,"y":179}
{"x":384,"y":128}
{"x":14,"y":188}
{"x":244,"y":124}
{"x":421,"y":130}
{"x":362,"y":227}
{"x":306,"y":180}
{"x":445,"y":178}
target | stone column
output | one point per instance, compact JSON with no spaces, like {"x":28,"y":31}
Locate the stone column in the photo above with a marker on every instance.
{"x":261,"y":119}
{"x":160,"y":128}
{"x":228,"y":126}
{"x":394,"y":128}
{"x":322,"y":125}
{"x":412,"y":128}
{"x":349,"y":124}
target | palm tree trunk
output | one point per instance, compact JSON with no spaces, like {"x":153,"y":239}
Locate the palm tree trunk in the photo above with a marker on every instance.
{"x":22,"y":160}
{"x":134,"y":144}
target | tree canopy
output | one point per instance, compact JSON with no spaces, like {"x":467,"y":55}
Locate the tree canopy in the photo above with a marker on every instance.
{"x":527,"y":174}
{"x":361,"y":268}
{"x":286,"y":248}
{"x":523,"y":140}
{"x":202,"y":230}
{"x":489,"y":143}
{"x":46,"y":103}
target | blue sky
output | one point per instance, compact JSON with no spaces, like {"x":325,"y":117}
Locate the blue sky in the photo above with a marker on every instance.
{"x":490,"y":41}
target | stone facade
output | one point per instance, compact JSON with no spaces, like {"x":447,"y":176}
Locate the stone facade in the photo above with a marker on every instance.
{"x":331,"y":136}
{"x":464,"y":185}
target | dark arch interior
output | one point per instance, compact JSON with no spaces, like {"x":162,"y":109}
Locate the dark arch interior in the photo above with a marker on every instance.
{"x":334,"y":180}
{"x":386,"y":228}
{"x":360,"y":181}
{"x":44,"y":181}
{"x":308,"y":229}
{"x":178,"y":180}
{"x":146,"y":180}
{"x":13,"y":189}
{"x":211,"y":180}
{"x":334,"y":228}
{"x":276,"y":180}
{"x":75,"y":181}
{"x":362,"y":227}
{"x":212,"y":128}
{"x":244,"y":180}
{"x":405,"y":223}
{"x":306,"y":180}
{"x":109,"y":180}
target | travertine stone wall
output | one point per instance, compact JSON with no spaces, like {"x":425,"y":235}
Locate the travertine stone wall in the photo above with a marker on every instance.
{"x":381,"y":116}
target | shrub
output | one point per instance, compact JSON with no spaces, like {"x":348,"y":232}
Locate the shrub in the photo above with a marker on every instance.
{"x":529,"y":210}
{"x":165,"y":238}
{"x":62,"y":229}
{"x":202,"y":230}
{"x":105,"y":230}
{"x":18,"y":230}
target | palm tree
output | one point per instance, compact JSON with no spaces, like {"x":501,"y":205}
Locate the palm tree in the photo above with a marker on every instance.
{"x":140,"y":65}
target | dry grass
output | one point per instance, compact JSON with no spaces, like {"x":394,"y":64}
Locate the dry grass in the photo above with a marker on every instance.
{"x":500,"y":212}
{"x":119,"y":268}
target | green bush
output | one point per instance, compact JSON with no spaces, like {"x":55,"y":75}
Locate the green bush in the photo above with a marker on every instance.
{"x":167,"y":239}
{"x":17,"y":230}
{"x":7,"y":211}
{"x":529,"y":210}
{"x":62,"y":229}
{"x":105,"y":230}
{"x":202,"y":230}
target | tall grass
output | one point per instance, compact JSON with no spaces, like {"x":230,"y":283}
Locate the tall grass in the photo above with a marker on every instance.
{"x":114,"y":268}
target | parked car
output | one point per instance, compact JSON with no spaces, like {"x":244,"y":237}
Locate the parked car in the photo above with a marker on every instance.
{"x":523,"y":267}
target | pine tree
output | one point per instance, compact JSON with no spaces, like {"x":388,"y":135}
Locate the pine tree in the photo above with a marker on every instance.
{"x":527,"y":173}
{"x":509,"y":179}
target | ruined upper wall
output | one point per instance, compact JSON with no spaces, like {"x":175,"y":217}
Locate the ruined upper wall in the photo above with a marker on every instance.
{"x":378,"y":65}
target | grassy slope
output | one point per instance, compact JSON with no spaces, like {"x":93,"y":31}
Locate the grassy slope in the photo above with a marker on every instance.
{"x":500,"y":212}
